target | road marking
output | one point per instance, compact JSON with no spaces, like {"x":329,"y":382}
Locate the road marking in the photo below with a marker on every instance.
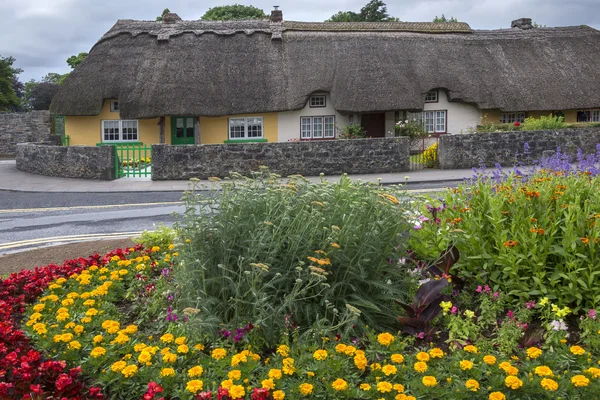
{"x":70,"y":238}
{"x":26,"y":210}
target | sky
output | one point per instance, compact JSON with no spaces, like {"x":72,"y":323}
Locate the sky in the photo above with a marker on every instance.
{"x":42,"y":34}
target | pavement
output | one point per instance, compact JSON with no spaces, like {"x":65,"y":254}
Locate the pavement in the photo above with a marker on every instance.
{"x":13,"y":180}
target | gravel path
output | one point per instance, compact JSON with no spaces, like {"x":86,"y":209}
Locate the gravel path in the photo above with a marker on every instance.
{"x":57,"y":254}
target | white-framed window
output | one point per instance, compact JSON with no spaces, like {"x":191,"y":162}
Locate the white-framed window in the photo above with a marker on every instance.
{"x":431,"y":96}
{"x":120,"y":131}
{"x":434,"y":121}
{"x":114,"y":105}
{"x":319,"y":127}
{"x":317,"y":101}
{"x":588,"y":116}
{"x":596,"y":116}
{"x":246,"y":128}
{"x":509,"y":118}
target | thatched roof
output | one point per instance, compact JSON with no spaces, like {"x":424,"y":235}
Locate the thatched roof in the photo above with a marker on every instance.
{"x":220,"y":68}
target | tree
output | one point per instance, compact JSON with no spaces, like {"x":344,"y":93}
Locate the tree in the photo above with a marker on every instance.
{"x":9,"y":101}
{"x":54,"y":78}
{"x":41,"y":95}
{"x":74,"y":61}
{"x":444,"y":19}
{"x":160,"y":17}
{"x":373,"y":11}
{"x":233,"y":13}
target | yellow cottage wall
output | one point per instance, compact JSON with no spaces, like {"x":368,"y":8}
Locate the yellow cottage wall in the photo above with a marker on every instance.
{"x":87,"y":130}
{"x":493,"y":116}
{"x":214,"y":130}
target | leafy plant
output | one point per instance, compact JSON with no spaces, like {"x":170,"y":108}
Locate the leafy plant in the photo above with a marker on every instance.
{"x":413,"y":129}
{"x":429,"y":157}
{"x":543,"y":123}
{"x":352,"y":131}
{"x":162,"y":237}
{"x":424,"y":308}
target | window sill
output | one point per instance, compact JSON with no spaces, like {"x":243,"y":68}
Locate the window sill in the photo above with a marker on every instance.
{"x":230,"y":141}
{"x":117,"y":143}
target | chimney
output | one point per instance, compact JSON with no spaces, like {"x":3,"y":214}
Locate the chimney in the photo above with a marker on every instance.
{"x":276,"y":15}
{"x":522,"y":23}
{"x":171,"y":18}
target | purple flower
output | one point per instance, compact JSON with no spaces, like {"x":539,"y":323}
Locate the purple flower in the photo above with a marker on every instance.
{"x":224,"y":333}
{"x":530,"y":304}
{"x":420,"y":335}
{"x":510,"y":314}
{"x":453,"y":310}
{"x":479,"y":289}
{"x":592,"y":313}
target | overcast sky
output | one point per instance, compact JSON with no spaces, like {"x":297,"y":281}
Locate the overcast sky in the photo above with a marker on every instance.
{"x":42,"y":34}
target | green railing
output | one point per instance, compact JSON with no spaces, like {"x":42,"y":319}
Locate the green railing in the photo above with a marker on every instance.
{"x":132,"y":159}
{"x":64,"y":140}
{"x":58,"y":128}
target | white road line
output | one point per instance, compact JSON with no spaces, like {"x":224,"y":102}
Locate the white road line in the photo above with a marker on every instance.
{"x":72,"y":238}
{"x":27,"y":210}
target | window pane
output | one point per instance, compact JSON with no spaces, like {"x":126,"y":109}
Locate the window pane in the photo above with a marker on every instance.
{"x":431,"y":96}
{"x":254,"y":127}
{"x":440,"y":121}
{"x":305,"y":127}
{"x":317,"y":127}
{"x":189,"y":127}
{"x":428,"y":121}
{"x":236,"y":128}
{"x":317,"y":101}
{"x":596,"y":116}
{"x":329,"y":127}
{"x":179,"y":127}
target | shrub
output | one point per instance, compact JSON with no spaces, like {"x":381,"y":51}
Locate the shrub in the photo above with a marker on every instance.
{"x":353,"y":131}
{"x":412,"y":129}
{"x":162,"y":237}
{"x":294,"y":255}
{"x":542,"y":123}
{"x":429,"y":157}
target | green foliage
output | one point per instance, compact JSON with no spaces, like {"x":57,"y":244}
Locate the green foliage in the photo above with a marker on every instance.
{"x":293,"y":255}
{"x":160,"y":17}
{"x":162,"y":237}
{"x":233,"y":12}
{"x":529,"y":238}
{"x":373,"y":11}
{"x":74,"y":61}
{"x":8,"y":75}
{"x":590,"y":332}
{"x":413,"y":129}
{"x":444,"y":19}
{"x":353,"y":131}
{"x":543,"y":123}
{"x":429,"y":157}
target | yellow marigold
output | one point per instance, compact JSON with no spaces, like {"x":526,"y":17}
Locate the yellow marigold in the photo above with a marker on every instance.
{"x":169,"y":358}
{"x":577,"y":350}
{"x":234,"y":374}
{"x":98,"y":338}
{"x":284,"y":350}
{"x":278,"y":395}
{"x":340,"y":348}
{"x":288,"y":366}
{"x":306,"y":389}
{"x":320,"y":355}
{"x":420,"y":367}
{"x":534,"y":352}
{"x":350,"y":350}
{"x":78,"y":329}
{"x":195,"y":371}
{"x":218,"y":353}
{"x":580,"y":381}
{"x":131,"y":329}
{"x":512,"y":371}
{"x":384,"y":387}
{"x":40,"y":328}
{"x":74,"y":345}
{"x":129,"y":371}
{"x":549,"y":384}
{"x":472,"y":385}
{"x":194,"y":386}
{"x":199,"y":347}
{"x":121,"y":339}
{"x":275,"y":373}
{"x":310,"y":374}
{"x":397,"y":358}
{"x":89,"y":303}
{"x":183,"y":349}
{"x":365,"y":386}
{"x":436,"y":353}
{"x":594,"y":372}
{"x":86,"y":320}
{"x":422,"y":356}
{"x":167,"y":338}
{"x":39,"y":307}
{"x":118,"y":366}
{"x":429,"y":381}
{"x":145,"y":357}
{"x":471,"y":349}
{"x":339,"y":384}
{"x":504,"y":365}
{"x":268,"y":383}
{"x":360,"y":361}
{"x":97,"y":352}
{"x":465,"y":365}
{"x":91,"y":312}
{"x":167,"y":372}
{"x":497,"y":396}
{"x":543,"y":370}
{"x":399,"y":387}
{"x":110,"y":326}
{"x":513,"y":382}
{"x":389,"y":370}
{"x":385,"y":339}
{"x":489,"y":360}
{"x":237,"y":392}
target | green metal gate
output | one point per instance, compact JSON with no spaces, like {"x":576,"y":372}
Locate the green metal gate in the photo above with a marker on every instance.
{"x":133,"y":160}
{"x":58,"y":128}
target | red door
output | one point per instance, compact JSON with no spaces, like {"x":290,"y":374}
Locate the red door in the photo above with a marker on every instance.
{"x":373,"y":124}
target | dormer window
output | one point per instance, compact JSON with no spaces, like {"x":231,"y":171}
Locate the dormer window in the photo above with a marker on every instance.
{"x":114,"y":105}
{"x":317,"y":101}
{"x":431,"y":96}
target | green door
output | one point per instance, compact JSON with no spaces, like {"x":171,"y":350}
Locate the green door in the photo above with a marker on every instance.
{"x":182,"y":130}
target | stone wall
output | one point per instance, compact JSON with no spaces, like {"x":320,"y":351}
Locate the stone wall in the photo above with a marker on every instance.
{"x":84,"y":162}
{"x":332,"y":157}
{"x":506,"y":148}
{"x":23,"y":127}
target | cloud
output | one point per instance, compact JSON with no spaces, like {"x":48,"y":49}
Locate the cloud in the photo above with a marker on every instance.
{"x":42,"y":34}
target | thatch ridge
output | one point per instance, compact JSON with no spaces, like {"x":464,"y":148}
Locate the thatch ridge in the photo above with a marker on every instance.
{"x":222,"y":68}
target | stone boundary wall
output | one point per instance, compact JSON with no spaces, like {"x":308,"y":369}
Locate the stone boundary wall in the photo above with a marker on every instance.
{"x":332,"y":157}
{"x":25,"y":127}
{"x":84,"y":162}
{"x":470,"y":149}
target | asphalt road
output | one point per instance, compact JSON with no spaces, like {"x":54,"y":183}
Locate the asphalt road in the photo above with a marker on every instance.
{"x":33,"y":220}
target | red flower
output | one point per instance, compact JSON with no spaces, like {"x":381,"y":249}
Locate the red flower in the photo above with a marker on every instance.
{"x":222,"y":394}
{"x":63,"y":381}
{"x":204,"y":396}
{"x":36,"y":389}
{"x":517,"y":123}
{"x":260,"y":394}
